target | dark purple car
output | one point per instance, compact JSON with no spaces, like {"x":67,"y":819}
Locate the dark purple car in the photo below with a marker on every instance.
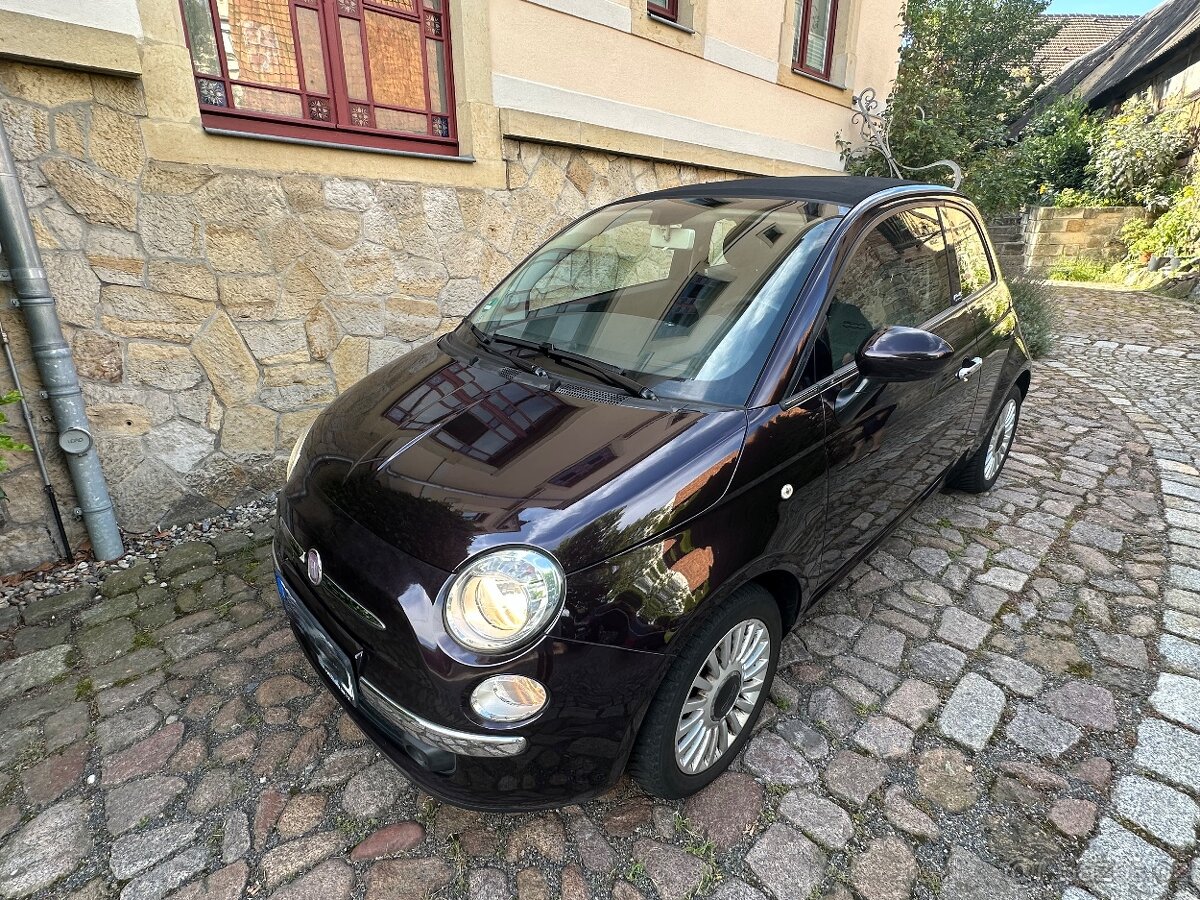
{"x":569,"y":536}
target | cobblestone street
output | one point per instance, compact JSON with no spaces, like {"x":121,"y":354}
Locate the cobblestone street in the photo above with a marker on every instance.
{"x":1002,"y":702}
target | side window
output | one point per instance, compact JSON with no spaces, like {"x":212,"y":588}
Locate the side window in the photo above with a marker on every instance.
{"x":974,"y":266}
{"x":899,"y":275}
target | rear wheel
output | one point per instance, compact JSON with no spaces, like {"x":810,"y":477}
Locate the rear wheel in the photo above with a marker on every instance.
{"x":982,"y":469}
{"x":705,"y":709}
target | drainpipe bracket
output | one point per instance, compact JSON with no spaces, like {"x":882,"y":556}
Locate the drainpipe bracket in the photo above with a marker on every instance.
{"x":6,"y":275}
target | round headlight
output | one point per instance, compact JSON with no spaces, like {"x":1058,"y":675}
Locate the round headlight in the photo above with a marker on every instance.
{"x":500,"y":600}
{"x":297,"y":448}
{"x":508,"y":698}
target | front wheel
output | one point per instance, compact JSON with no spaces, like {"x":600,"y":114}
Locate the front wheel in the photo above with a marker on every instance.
{"x":705,"y":709}
{"x":982,"y":469}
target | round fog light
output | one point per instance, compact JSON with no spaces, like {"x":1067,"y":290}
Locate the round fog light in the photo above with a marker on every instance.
{"x":508,"y":698}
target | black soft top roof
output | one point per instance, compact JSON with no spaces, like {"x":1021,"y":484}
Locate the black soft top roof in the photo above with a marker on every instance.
{"x":843,"y":190}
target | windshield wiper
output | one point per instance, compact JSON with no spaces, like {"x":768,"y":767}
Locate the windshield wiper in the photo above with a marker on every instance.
{"x":606,"y":372}
{"x":486,"y":341}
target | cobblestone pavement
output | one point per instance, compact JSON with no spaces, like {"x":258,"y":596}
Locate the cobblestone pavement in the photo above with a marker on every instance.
{"x":1001,"y":703}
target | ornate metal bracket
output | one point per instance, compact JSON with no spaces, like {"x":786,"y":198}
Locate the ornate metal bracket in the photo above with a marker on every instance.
{"x":875,"y":127}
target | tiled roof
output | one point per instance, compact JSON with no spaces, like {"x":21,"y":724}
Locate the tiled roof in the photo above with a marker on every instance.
{"x":1077,"y":35}
{"x":1101,"y":75}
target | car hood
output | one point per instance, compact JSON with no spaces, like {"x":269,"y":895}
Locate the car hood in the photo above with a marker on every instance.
{"x":443,"y":459}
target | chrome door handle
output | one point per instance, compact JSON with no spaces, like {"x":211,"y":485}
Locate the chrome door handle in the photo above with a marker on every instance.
{"x":970,"y":367}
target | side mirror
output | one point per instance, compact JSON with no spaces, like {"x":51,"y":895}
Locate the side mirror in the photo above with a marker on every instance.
{"x":902,"y":354}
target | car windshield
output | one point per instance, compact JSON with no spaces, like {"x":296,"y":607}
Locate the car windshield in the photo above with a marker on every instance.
{"x":685,"y":295}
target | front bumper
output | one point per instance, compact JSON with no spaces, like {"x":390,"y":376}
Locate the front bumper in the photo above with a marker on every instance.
{"x":411,"y":700}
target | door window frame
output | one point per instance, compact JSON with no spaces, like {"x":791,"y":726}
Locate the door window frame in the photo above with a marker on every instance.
{"x":796,"y":395}
{"x":955,"y":273}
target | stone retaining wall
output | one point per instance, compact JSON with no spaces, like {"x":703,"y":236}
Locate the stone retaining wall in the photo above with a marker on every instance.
{"x":1053,"y":235}
{"x":213,"y":312}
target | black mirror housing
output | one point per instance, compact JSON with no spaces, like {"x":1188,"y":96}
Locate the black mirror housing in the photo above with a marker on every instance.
{"x":897,"y":353}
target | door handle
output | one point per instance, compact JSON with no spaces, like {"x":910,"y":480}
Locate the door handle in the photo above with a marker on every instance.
{"x":970,"y":367}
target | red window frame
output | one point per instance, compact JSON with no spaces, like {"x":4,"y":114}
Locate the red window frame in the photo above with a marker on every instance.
{"x":798,"y":64}
{"x":339,"y":129}
{"x":667,"y":9}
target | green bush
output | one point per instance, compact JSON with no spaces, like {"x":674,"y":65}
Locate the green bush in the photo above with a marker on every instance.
{"x":1176,"y":232}
{"x":1055,"y":149}
{"x":1136,"y":152}
{"x":1079,"y":269}
{"x":1075,"y":197}
{"x":1038,"y":314}
{"x":7,"y":444}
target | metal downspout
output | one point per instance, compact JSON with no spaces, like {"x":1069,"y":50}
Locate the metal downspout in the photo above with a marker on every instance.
{"x":54,"y":362}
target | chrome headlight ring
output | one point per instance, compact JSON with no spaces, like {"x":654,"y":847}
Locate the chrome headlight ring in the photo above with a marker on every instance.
{"x":503,"y":599}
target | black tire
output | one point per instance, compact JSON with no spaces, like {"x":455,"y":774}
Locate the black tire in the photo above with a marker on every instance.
{"x":653,"y":763}
{"x":974,"y":477}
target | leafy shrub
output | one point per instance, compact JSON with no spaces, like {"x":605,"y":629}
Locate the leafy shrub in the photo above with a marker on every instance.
{"x":1175,"y":232}
{"x":1075,"y":197}
{"x":1055,"y":149}
{"x":1079,"y":269}
{"x":1037,"y":312}
{"x":7,"y":443}
{"x":1135,"y":153}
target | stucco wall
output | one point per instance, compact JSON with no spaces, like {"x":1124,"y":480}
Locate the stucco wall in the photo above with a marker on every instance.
{"x":109,"y":15}
{"x":213,"y":311}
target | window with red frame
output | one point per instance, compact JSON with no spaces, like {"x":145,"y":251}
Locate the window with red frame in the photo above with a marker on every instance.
{"x":373,"y":73}
{"x":815,"y":25}
{"x":668,"y":9}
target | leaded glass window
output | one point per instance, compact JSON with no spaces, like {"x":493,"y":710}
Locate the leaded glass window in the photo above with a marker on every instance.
{"x":328,"y":69}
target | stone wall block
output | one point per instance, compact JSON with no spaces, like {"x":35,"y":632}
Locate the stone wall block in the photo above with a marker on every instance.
{"x":99,"y":198}
{"x":44,"y":87}
{"x":28,"y":129}
{"x":236,"y":249}
{"x":372,"y":270}
{"x":116,"y":143}
{"x":165,"y":366}
{"x":97,"y":356}
{"x":125,"y":95}
{"x":170,"y":226}
{"x":335,"y":228}
{"x":116,"y":256}
{"x":321,"y":332}
{"x":441,"y":209}
{"x":186,"y":279}
{"x":401,"y":199}
{"x":349,"y":360}
{"x":75,"y":287}
{"x":174,"y":179}
{"x":249,"y":201}
{"x":181,"y":445}
{"x":292,"y":387}
{"x":356,"y":196}
{"x":383,"y":351}
{"x":253,"y":297}
{"x":141,"y":312}
{"x":248,"y":431}
{"x":68,"y":131}
{"x":460,"y":296}
{"x":227,"y":361}
{"x":276,"y":342}
{"x":359,"y":315}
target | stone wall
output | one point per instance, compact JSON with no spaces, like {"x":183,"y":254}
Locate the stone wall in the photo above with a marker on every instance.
{"x":213,"y":312}
{"x":1053,"y":235}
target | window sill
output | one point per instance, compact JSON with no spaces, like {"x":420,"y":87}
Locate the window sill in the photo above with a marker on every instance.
{"x":670,"y":23}
{"x":294,"y":133}
{"x":829,"y":82}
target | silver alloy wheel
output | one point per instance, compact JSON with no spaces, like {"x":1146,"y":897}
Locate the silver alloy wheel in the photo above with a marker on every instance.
{"x":723,"y":696}
{"x":998,"y":443}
